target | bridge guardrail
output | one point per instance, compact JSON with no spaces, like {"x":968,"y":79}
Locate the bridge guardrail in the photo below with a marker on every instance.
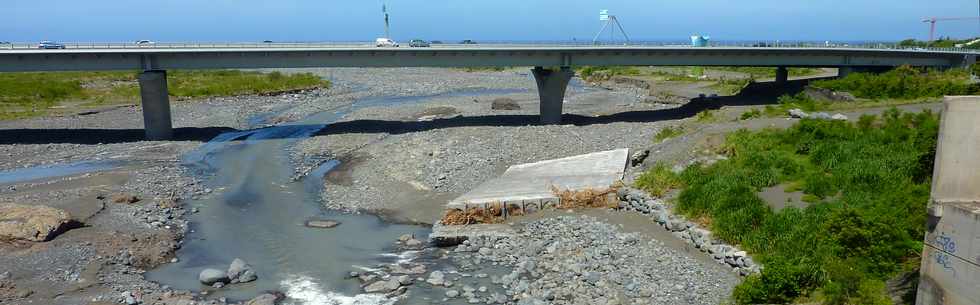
{"x":254,"y":45}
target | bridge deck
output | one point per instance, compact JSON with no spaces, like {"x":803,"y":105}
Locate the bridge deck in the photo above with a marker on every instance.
{"x":219,"y":56}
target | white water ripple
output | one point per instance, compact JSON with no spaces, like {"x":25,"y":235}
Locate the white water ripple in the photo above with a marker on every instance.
{"x":303,"y":290}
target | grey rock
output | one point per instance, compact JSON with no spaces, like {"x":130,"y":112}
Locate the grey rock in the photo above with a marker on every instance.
{"x":798,"y":113}
{"x":237,"y":267}
{"x":413,"y":243}
{"x":821,"y":116}
{"x":263,"y":299}
{"x":404,"y":280}
{"x":382,"y":286}
{"x":452,"y":293}
{"x":505,"y":104}
{"x":210,"y":276}
{"x":247,"y":276}
{"x":322,"y":223}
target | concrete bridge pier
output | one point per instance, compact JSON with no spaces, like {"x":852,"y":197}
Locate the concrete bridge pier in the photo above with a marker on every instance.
{"x":551,"y":91}
{"x":782,"y":75}
{"x":156,"y":105}
{"x":842,"y":72}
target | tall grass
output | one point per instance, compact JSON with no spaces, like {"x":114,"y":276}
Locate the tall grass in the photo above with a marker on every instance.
{"x":658,"y":180}
{"x":34,"y":93}
{"x":873,"y":178}
{"x":904,"y":83}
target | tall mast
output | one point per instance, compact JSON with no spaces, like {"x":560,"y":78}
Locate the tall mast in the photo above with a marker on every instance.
{"x":384,"y":10}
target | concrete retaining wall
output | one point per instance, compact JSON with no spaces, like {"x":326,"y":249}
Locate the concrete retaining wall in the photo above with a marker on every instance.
{"x":951,"y":259}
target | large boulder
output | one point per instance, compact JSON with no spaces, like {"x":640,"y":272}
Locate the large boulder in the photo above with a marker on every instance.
{"x":240,"y":272}
{"x":505,"y":104}
{"x":210,"y":276}
{"x":31,"y":222}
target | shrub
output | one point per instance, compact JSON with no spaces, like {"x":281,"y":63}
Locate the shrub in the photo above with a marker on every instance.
{"x":869,"y":183}
{"x":904,"y":83}
{"x":658,"y":180}
{"x":751,"y":114}
{"x":667,"y":133}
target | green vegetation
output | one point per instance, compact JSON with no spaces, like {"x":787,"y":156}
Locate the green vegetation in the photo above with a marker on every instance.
{"x":667,"y":133}
{"x":706,"y":116}
{"x":904,"y":83}
{"x":751,"y":114}
{"x":731,"y":86}
{"x":34,"y":94}
{"x":871,"y":183}
{"x":769,"y":72}
{"x":658,"y":180}
{"x":942,"y":42}
{"x":601,"y":73}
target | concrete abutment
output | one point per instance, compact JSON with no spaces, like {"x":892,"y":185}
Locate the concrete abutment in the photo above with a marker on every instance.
{"x":551,"y":90}
{"x":156,"y":105}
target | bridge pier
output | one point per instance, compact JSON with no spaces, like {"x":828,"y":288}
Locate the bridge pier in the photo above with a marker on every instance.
{"x":156,"y":105}
{"x":551,"y":91}
{"x":782,"y":75}
{"x":842,"y":72}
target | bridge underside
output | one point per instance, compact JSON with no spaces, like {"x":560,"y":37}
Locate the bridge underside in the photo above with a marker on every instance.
{"x":552,"y":64}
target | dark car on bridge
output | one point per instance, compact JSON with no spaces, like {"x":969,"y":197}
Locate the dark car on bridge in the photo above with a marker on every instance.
{"x":418,"y":43}
{"x":50,"y":45}
{"x":467,"y":41}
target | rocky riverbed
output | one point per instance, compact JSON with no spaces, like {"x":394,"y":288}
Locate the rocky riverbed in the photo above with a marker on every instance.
{"x":408,"y":140}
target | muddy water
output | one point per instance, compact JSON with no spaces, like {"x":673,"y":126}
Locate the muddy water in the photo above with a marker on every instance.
{"x":258,"y":213}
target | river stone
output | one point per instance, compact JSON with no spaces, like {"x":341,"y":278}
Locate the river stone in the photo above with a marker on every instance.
{"x":264,"y":299}
{"x":452,"y":293}
{"x":210,"y":276}
{"x":247,"y":276}
{"x":413,"y":243}
{"x":237,"y":268}
{"x":798,"y":113}
{"x":505,"y":104}
{"x":322,"y":223}
{"x":382,"y":286}
{"x":436,"y":278}
{"x":31,"y":222}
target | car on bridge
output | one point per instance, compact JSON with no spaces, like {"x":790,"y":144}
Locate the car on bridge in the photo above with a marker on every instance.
{"x":467,"y":41}
{"x":419,"y":43}
{"x":144,"y":43}
{"x":50,"y":45}
{"x":385,"y":42}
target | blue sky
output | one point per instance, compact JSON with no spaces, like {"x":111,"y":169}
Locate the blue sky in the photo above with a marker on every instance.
{"x":332,"y":20}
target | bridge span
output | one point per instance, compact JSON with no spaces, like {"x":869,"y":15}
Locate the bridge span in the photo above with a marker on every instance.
{"x":552,"y":64}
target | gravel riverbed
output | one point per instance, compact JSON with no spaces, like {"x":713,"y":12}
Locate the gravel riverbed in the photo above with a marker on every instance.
{"x":421,"y":137}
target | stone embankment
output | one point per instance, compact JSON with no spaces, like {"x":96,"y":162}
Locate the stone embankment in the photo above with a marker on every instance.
{"x":691,"y":233}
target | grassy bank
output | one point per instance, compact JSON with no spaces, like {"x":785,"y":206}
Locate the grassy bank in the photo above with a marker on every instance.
{"x":41,"y":93}
{"x":871,"y":182}
{"x":904,"y":83}
{"x":901,"y":86}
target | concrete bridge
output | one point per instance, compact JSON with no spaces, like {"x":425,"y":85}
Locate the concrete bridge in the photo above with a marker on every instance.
{"x":552,"y":64}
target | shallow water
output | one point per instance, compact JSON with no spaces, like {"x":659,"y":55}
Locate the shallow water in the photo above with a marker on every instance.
{"x":54,"y":171}
{"x":258,"y":215}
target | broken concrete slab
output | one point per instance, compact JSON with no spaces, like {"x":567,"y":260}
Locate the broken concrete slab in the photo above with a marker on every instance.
{"x":530,"y":185}
{"x":524,"y":189}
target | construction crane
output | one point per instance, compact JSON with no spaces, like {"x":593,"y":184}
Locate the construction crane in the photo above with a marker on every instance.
{"x":932,"y":23}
